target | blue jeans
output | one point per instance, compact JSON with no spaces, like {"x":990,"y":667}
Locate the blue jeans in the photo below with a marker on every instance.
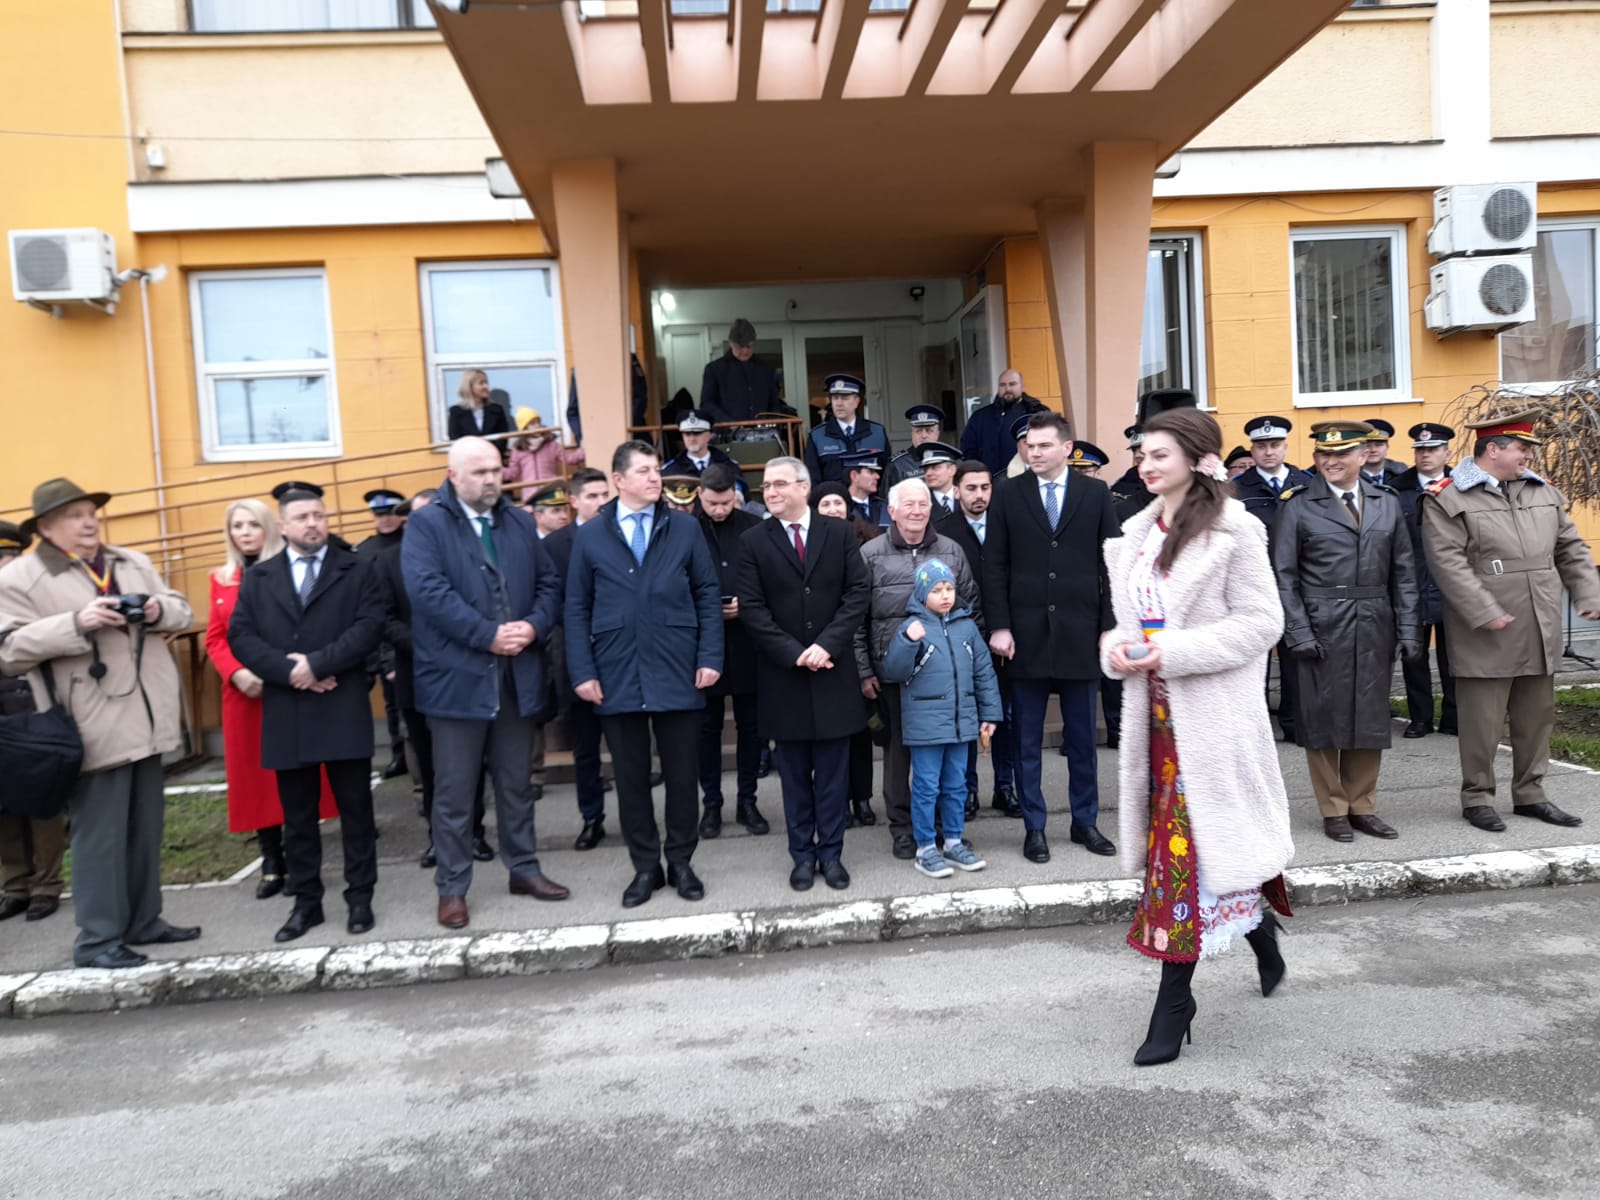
{"x":938,"y":776}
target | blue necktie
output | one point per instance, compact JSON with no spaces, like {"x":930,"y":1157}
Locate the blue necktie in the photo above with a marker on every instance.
{"x":1276,"y":485}
{"x":1052,"y":510}
{"x":637,"y":545}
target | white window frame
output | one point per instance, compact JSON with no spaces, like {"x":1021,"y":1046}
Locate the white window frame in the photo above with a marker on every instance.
{"x":1553,"y":224}
{"x":1400,"y":295}
{"x":1194,"y":339}
{"x":437,"y":364}
{"x":208,"y":373}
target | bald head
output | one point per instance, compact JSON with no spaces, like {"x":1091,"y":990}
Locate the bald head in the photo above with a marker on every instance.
{"x":475,"y":472}
{"x":1010,"y":386}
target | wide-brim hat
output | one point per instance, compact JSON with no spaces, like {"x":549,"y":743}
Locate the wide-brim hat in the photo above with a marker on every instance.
{"x":58,"y":493}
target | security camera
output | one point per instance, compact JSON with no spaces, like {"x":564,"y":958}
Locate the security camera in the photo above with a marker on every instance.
{"x":918,"y":291}
{"x":455,"y":6}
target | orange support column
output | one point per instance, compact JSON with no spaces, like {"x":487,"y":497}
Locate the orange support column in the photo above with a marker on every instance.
{"x":594,"y":283}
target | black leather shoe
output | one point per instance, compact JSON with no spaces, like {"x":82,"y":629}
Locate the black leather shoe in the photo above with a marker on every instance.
{"x":862,"y":811}
{"x":361,"y":919}
{"x":644,"y":885}
{"x":269,"y":887}
{"x":1005,"y":799}
{"x":170,"y":936}
{"x":971,"y":810}
{"x":834,"y":875}
{"x":1091,"y":839}
{"x":1288,"y":732}
{"x":905,"y":846}
{"x":301,"y":922}
{"x":750,"y":817}
{"x":711,"y":824}
{"x":429,"y":859}
{"x":41,"y":907}
{"x":606,"y":786}
{"x":592,"y":835}
{"x":116,"y":958}
{"x":1373,"y":826}
{"x":1543,"y":811}
{"x":1338,"y":828}
{"x":1418,"y":729}
{"x":481,"y":850}
{"x":803,"y":876}
{"x":13,"y":906}
{"x":1113,"y":737}
{"x":1483,"y":816}
{"x":396,"y":768}
{"x":687,"y":882}
{"x":1035,"y":848}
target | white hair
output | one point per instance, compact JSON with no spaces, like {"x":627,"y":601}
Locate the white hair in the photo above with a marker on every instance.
{"x":802,"y":473}
{"x":900,"y":489}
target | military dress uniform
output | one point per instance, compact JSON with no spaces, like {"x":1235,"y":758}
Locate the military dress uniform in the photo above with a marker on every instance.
{"x":383,"y":502}
{"x":686,"y":464}
{"x":830,"y":442}
{"x":1389,"y":471}
{"x":1409,"y":485}
{"x":1349,"y":591}
{"x":930,"y":454}
{"x":908,"y":463}
{"x":1499,"y":549}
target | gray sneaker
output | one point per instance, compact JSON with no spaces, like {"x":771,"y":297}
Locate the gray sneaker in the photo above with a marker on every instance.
{"x":932,"y":864}
{"x":963,"y":858}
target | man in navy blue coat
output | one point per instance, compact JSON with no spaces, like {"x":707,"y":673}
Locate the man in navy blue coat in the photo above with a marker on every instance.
{"x":988,"y":437}
{"x":644,"y":642}
{"x":483,"y":592}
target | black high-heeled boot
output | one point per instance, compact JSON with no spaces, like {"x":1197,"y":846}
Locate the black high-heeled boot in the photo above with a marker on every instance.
{"x":1171,"y":1020}
{"x":273,"y":869}
{"x":1263,"y":940}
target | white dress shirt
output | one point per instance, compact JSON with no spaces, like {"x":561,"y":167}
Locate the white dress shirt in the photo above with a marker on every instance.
{"x":297,"y":565}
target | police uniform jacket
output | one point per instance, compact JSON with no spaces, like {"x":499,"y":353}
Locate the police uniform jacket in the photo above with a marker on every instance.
{"x":875,"y":511}
{"x":684,"y":465}
{"x":1259,"y":500}
{"x":1408,"y":487}
{"x":828,"y":444}
{"x":739,"y":652}
{"x":1503,"y":551}
{"x":1353,"y":592}
{"x":905,"y":465}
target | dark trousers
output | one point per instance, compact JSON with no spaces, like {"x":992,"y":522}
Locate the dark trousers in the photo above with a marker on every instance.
{"x":460,"y":750}
{"x":117,"y":820}
{"x":678,"y":742}
{"x":1419,"y":683}
{"x":1111,"y":705}
{"x":815,"y":778}
{"x":1029,"y":698}
{"x":31,"y":855}
{"x":300,"y":791}
{"x":391,"y":715}
{"x":860,"y":765}
{"x":896,"y":766}
{"x":583,"y":730}
{"x":1002,"y":746}
{"x":422,"y":750}
{"x":1288,"y":689}
{"x":747,"y":748}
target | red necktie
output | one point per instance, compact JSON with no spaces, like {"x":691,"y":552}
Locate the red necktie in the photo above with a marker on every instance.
{"x":799,"y":546}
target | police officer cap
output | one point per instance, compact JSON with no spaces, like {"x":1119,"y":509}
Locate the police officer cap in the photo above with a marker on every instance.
{"x":1235,"y":455}
{"x":925,"y":414}
{"x":296,"y":489}
{"x":12,"y":537}
{"x":382,"y":500}
{"x":1268,"y":429}
{"x":933,"y":453}
{"x":862,"y":460}
{"x":1160,"y":400}
{"x":1336,"y":437}
{"x":553,"y":495}
{"x":1086,"y":455}
{"x":1517,"y":425}
{"x":1135,"y":436}
{"x":681,"y":489}
{"x":1430,"y":434}
{"x":694,"y":421}
{"x":845,"y":385}
{"x":1019,"y":427}
{"x":1382,"y":431}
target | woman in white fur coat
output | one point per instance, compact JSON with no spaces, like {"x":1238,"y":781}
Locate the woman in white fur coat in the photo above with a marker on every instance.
{"x":1197,"y":610}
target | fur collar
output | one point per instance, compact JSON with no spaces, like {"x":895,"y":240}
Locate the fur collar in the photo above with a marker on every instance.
{"x":1469,"y":475}
{"x":1199,"y":558}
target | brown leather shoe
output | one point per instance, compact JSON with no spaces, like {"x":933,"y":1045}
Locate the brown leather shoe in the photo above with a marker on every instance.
{"x":1373,"y":826}
{"x":453,"y":912}
{"x":1338,"y":828}
{"x":538,"y":887}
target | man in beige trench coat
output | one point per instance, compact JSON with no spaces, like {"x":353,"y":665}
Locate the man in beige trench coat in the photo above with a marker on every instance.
{"x":1500,"y":546}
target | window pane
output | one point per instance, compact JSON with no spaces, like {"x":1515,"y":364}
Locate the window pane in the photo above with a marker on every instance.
{"x":699,"y":8}
{"x":263,"y":412}
{"x":793,"y":6}
{"x":243,"y":16}
{"x":422,"y":15}
{"x":1165,"y":339}
{"x":1344,"y":314}
{"x":264,"y":320}
{"x":513,"y":388}
{"x":1559,"y":343}
{"x":492,"y":312}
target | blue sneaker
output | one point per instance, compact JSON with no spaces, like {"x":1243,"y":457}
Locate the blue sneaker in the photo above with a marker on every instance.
{"x":963,"y":858}
{"x":932,"y":864}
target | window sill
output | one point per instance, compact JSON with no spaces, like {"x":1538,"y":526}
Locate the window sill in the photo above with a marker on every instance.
{"x":253,"y":41}
{"x":1316,"y":400}
{"x":271,"y":453}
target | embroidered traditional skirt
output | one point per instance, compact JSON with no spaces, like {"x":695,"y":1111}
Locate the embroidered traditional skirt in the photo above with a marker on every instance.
{"x":1177,"y":920}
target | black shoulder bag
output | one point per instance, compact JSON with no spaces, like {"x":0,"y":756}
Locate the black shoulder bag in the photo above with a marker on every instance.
{"x":41,"y":756}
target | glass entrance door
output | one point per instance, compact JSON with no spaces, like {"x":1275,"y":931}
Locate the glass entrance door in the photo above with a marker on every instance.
{"x":827,"y":352}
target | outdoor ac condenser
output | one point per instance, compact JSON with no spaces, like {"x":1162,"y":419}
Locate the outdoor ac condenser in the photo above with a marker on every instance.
{"x":1479,"y":293}
{"x":52,"y":266}
{"x":1484,"y":218}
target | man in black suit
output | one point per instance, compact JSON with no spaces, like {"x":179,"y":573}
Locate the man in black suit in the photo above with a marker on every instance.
{"x":724,"y":525}
{"x":802,"y":594}
{"x":305,"y":622}
{"x":1047,"y":601}
{"x":969,"y":529}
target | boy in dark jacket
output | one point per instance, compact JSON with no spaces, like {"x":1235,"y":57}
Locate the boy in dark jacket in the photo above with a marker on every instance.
{"x":949,"y":698}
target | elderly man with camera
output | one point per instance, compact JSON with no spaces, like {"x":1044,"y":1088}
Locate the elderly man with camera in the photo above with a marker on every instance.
{"x":77,"y":616}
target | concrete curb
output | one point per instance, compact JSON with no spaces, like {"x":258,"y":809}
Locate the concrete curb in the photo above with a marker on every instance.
{"x":716,"y":935}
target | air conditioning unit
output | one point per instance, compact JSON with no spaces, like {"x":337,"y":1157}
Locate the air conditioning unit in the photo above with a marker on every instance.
{"x":1479,"y":293}
{"x":53,"y":266}
{"x":1484,"y":218}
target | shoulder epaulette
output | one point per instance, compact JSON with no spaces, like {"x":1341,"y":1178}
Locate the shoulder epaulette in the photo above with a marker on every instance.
{"x":1291,"y":491}
{"x":1437,"y":486}
{"x":1384,"y":487}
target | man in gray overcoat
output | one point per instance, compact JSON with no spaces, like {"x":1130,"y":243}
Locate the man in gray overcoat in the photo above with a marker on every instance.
{"x":1348,"y":584}
{"x":1501,"y":546}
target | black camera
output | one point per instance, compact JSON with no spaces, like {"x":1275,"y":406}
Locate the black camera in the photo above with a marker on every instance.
{"x":130,"y":607}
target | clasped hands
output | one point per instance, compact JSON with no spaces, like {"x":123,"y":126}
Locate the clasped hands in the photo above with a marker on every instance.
{"x":304,"y":679}
{"x":1150,"y":663}
{"x":513,"y":638}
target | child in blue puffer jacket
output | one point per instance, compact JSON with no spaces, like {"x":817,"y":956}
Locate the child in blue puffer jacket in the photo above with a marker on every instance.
{"x":949,"y":698}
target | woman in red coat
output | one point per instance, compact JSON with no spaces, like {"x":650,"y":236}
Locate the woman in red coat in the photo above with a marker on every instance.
{"x":250,"y":534}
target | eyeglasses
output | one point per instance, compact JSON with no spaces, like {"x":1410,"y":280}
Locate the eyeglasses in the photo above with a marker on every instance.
{"x":774,"y":484}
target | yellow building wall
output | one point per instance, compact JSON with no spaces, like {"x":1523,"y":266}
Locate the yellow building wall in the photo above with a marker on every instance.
{"x":1532,"y":94}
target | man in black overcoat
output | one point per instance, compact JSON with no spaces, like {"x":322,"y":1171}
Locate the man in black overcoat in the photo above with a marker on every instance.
{"x":1047,"y":602}
{"x":802,"y":595}
{"x":305,"y":622}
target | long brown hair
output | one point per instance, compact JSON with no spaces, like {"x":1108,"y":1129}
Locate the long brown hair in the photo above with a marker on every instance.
{"x":1197,"y":435}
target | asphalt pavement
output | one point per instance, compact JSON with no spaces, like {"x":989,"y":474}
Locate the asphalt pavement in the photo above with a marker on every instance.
{"x":1436,"y":1047}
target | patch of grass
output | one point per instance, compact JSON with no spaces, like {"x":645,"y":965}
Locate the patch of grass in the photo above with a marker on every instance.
{"x":1585,"y":751}
{"x":1576,"y":737}
{"x":197,"y":845}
